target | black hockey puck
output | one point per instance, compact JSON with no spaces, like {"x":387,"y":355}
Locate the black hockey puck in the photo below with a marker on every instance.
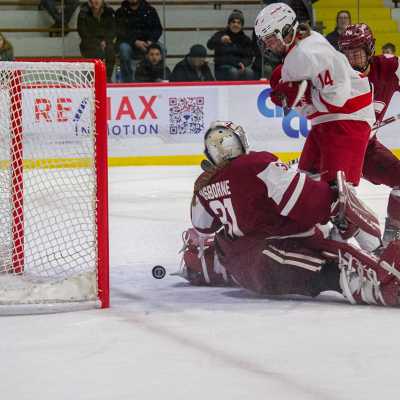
{"x":158,"y":272}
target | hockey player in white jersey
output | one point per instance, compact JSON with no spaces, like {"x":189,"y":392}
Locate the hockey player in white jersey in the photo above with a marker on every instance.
{"x":337,"y":99}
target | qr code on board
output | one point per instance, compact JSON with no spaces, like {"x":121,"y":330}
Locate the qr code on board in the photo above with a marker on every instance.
{"x":186,"y":115}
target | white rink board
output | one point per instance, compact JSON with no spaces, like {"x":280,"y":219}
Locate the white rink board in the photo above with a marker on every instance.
{"x":168,"y":120}
{"x":178,"y":117}
{"x":246,"y":105}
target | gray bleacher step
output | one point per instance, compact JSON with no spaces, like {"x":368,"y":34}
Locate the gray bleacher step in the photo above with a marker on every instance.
{"x":179,"y":18}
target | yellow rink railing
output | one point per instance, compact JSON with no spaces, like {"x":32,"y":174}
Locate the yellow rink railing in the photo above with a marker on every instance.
{"x":187,"y":160}
{"x":135,"y":161}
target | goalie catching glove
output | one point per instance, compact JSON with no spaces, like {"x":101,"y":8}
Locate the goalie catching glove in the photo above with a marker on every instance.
{"x":289,"y":91}
{"x":350,"y":214}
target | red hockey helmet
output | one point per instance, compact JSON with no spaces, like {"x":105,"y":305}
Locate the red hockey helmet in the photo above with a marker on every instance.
{"x":355,"y":36}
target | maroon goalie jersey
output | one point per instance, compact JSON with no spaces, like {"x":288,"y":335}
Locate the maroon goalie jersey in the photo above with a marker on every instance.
{"x":384,"y":79}
{"x":259,"y":196}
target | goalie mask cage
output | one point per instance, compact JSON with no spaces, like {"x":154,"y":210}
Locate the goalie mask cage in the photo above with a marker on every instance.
{"x":53,"y":187}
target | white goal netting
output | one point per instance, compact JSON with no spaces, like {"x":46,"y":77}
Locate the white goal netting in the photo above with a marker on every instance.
{"x":48,"y":183}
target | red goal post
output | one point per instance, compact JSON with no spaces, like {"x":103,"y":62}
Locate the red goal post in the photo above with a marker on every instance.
{"x":54,"y":250}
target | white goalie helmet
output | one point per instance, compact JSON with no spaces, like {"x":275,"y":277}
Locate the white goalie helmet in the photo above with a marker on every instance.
{"x":224,"y":140}
{"x":276,"y":19}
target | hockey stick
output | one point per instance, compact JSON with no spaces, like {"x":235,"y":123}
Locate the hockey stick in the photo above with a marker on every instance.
{"x":300,"y":94}
{"x":293,"y":162}
{"x":385,"y":122}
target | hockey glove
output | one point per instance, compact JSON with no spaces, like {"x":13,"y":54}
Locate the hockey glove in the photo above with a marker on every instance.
{"x":276,"y":76}
{"x":290,"y":91}
{"x":350,"y":214}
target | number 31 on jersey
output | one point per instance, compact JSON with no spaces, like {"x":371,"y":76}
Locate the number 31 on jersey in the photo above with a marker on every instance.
{"x":227,"y":216}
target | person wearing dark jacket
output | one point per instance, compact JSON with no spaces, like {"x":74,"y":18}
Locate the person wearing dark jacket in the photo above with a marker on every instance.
{"x":232,"y":51}
{"x":342,"y":20}
{"x":193,"y":68}
{"x":96,"y":28}
{"x":151,"y":68}
{"x":138,"y":25}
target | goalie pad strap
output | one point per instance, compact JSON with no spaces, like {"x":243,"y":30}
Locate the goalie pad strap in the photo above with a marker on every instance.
{"x":202,"y":259}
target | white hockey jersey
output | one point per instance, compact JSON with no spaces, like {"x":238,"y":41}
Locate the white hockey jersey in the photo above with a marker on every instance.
{"x":338,"y":92}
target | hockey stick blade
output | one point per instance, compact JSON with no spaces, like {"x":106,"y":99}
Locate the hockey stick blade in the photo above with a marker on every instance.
{"x":300,"y":94}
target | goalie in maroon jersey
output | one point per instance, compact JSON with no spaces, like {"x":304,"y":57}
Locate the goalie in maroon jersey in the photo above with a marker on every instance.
{"x":264,"y":217}
{"x":381,"y":166}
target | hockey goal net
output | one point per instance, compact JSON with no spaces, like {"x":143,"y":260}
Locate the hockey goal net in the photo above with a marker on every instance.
{"x":53,"y":187}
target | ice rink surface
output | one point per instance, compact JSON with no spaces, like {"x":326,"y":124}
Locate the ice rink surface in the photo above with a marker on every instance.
{"x":162,"y":339}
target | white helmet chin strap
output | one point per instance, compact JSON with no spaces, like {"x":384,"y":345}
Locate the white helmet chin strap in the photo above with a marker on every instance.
{"x":293,"y":27}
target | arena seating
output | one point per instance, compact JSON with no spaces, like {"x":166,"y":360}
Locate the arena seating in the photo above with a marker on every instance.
{"x":377,"y":14}
{"x":27,"y":25}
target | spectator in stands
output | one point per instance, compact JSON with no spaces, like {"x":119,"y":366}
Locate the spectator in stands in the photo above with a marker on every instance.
{"x":96,"y":28}
{"x":233,"y":51}
{"x":193,"y":68}
{"x":69,"y":8}
{"x":151,"y":68}
{"x":389,"y":48}
{"x":342,"y":20}
{"x":269,"y":65}
{"x":6,"y":49}
{"x":138,"y":26}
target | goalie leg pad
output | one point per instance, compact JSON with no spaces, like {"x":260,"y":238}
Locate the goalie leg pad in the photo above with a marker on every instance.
{"x":275,"y":267}
{"x":364,"y":277}
{"x":201,"y":262}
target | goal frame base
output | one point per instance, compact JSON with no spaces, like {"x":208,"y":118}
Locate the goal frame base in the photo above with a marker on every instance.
{"x":48,"y":308}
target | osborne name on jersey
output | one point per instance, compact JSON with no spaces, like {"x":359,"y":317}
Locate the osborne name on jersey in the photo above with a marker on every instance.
{"x":216,"y":190}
